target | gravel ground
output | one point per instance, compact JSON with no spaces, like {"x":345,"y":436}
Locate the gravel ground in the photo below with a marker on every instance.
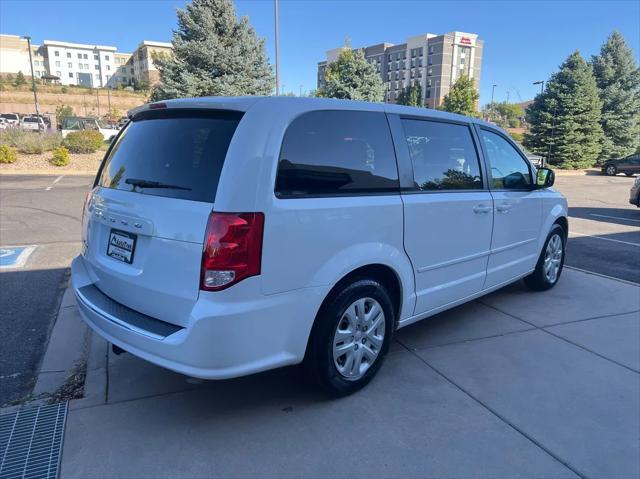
{"x":86,"y":163}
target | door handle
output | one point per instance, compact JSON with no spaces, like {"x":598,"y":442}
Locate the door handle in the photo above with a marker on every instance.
{"x":503,"y":207}
{"x":481,"y":209}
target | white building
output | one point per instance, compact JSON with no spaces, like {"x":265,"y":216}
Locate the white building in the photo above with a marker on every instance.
{"x":96,"y":66}
{"x":14,"y":55}
{"x":79,"y":64}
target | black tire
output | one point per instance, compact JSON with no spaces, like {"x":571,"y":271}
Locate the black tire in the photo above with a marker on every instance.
{"x":538,"y":280}
{"x":611,"y":170}
{"x":319,"y":360}
{"x":629,"y":174}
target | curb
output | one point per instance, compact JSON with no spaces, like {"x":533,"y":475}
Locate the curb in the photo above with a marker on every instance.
{"x":66,"y":348}
{"x":50,"y":172}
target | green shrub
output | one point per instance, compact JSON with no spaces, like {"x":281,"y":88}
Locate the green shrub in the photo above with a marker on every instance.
{"x":517,"y":136}
{"x":60,"y":157}
{"x":86,"y":141}
{"x":30,"y":142}
{"x":8,"y":154}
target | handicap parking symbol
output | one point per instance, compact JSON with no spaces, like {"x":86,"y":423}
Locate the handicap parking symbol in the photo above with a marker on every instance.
{"x":14,"y":256}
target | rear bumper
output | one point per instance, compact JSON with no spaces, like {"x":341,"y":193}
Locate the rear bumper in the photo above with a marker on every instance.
{"x":230,"y":333}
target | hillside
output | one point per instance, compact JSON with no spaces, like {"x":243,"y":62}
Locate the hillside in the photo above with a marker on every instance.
{"x":84,"y":101}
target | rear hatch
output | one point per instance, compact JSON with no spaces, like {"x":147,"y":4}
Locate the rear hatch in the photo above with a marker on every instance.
{"x":145,"y":221}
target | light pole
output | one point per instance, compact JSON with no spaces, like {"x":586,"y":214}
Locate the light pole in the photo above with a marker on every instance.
{"x":275,"y":4}
{"x":541,"y":83}
{"x":493,"y":90}
{"x":33,"y":78}
{"x":300,"y":90}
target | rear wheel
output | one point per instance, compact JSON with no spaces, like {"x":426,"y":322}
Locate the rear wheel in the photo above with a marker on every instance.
{"x":611,"y":170}
{"x":629,"y":174}
{"x":351,"y":337}
{"x":551,"y":261}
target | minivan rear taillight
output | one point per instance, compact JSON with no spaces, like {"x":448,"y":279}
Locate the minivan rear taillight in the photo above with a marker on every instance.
{"x":232,"y":249}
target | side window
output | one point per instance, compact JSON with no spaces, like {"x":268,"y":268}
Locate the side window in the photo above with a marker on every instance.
{"x":89,"y":125}
{"x":71,"y":124}
{"x":443,"y":155}
{"x":337,"y":153}
{"x":509,"y":171}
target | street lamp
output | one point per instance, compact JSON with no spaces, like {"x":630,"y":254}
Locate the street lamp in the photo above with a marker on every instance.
{"x":275,"y":5}
{"x":493,"y":90}
{"x":33,"y":78}
{"x":541,"y":83}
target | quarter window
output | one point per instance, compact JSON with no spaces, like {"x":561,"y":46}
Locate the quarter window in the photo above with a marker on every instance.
{"x":443,"y":155}
{"x":509,"y":170}
{"x":333,"y":153}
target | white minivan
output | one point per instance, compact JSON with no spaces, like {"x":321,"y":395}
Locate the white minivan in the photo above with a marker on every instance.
{"x":228,"y":236}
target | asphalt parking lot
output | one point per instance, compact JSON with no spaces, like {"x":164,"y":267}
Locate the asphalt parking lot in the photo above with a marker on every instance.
{"x":40,"y":211}
{"x":604,"y":228}
{"x":45,"y":211}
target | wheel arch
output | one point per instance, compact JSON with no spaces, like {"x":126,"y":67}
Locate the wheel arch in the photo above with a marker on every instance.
{"x":384,"y":274}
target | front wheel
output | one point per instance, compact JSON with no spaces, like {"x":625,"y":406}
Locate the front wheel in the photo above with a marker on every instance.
{"x":611,"y":170}
{"x":351,"y":337}
{"x":551,"y":261}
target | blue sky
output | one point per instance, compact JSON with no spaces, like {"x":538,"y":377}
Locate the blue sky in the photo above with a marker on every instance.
{"x":525,"y":41}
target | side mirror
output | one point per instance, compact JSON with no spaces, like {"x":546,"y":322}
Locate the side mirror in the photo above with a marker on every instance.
{"x":545,"y":178}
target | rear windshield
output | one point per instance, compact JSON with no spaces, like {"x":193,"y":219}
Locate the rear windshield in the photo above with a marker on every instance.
{"x":30,"y":120}
{"x":178,"y":154}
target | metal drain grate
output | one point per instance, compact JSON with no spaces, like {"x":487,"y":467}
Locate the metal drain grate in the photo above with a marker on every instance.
{"x":31,"y":442}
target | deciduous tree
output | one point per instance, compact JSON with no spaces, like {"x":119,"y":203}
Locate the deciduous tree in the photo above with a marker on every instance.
{"x":411,"y":96}
{"x":352,"y":77}
{"x":462,"y":98}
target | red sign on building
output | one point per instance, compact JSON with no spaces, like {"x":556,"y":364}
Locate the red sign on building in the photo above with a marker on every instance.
{"x":465,"y":40}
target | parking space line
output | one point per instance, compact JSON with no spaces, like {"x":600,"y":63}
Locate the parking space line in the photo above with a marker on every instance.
{"x":605,"y":239}
{"x":48,"y":188}
{"x":615,"y":217}
{"x":587,"y":271}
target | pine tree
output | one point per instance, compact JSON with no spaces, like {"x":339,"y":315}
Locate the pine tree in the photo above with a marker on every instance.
{"x":352,"y":77}
{"x":214,"y":53}
{"x":410,"y":96}
{"x":565,"y":119}
{"x":618,"y":80}
{"x":462,"y":97}
{"x":20,"y":79}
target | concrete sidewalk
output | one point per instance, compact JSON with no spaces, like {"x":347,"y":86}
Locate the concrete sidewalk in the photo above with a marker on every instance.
{"x":517,"y":384}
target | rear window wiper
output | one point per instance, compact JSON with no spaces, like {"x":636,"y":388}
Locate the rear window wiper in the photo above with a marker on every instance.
{"x":153,"y":184}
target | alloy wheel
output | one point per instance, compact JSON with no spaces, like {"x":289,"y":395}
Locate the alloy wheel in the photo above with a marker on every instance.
{"x":553,"y":258}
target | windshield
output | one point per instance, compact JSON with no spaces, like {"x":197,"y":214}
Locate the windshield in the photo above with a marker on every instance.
{"x":176,"y":154}
{"x":103,"y":124}
{"x":30,"y":120}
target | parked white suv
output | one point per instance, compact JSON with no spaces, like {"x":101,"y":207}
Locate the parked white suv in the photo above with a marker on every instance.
{"x":74,"y":123}
{"x":33,"y":123}
{"x":227,"y":236}
{"x":11,"y":119}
